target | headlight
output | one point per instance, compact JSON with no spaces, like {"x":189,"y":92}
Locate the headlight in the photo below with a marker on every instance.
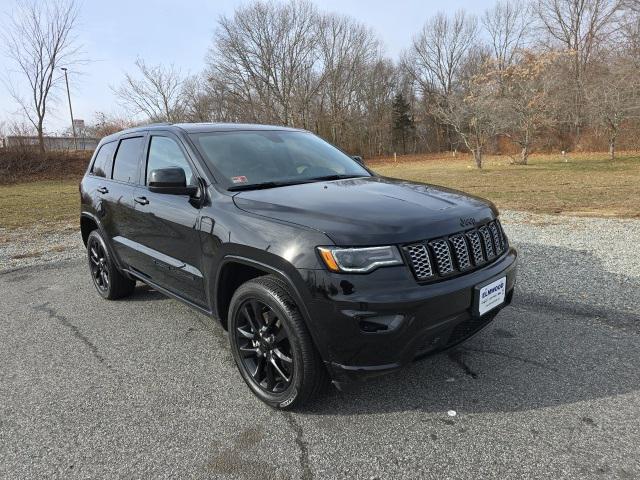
{"x":359,"y":260}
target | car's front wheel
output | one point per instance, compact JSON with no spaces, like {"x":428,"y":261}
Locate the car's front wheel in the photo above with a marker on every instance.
{"x":107,"y":279}
{"x":271,"y":345}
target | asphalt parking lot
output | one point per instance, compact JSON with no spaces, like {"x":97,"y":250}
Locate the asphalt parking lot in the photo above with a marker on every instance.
{"x":146,"y":388}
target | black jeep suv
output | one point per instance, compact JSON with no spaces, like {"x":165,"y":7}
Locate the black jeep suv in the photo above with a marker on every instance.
{"x":316,"y":266}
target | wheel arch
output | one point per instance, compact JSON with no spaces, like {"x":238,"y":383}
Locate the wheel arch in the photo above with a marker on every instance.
{"x":89,"y":223}
{"x":249,"y":269}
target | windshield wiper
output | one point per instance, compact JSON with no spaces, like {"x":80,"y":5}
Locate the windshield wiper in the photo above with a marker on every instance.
{"x":333,"y":177}
{"x":263,"y":185}
{"x":284,"y":183}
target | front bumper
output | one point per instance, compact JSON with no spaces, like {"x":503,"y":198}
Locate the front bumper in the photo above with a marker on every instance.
{"x":367,"y":325}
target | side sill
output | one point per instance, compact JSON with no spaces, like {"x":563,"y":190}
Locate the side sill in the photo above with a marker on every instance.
{"x":168,"y":293}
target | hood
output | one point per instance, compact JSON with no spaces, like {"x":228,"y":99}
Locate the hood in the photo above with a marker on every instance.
{"x":371,"y":210}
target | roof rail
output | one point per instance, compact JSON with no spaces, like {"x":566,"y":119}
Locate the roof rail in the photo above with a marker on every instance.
{"x":156,"y":124}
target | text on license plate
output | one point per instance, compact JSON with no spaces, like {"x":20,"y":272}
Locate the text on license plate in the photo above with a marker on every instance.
{"x":492,"y":295}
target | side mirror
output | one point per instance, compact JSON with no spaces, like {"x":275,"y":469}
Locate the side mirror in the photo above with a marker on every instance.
{"x":358,"y":159}
{"x":171,"y":181}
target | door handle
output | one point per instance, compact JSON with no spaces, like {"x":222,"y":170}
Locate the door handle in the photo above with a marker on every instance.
{"x":141,"y":200}
{"x":103,"y":190}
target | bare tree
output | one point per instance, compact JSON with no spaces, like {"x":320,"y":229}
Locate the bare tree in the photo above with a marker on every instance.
{"x":507,"y":24}
{"x":438,"y":51}
{"x":39,"y":39}
{"x":156,"y":92}
{"x":374,"y":102}
{"x":613,"y":98}
{"x":198,"y":99}
{"x":526,"y":102}
{"x":631,"y":5}
{"x":266,"y":54}
{"x":435,"y":59}
{"x":631,"y":34}
{"x":579,"y":27}
{"x":106,"y":124}
{"x":347,"y":48}
{"x":471,"y":109}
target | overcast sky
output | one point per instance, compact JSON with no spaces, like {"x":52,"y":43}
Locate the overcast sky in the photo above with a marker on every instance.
{"x":114,"y":33}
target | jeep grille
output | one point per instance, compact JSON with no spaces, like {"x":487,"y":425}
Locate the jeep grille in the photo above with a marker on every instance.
{"x":457,"y":253}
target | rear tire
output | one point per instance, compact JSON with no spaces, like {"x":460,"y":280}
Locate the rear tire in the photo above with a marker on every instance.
{"x":108,"y":280}
{"x":272,"y":346}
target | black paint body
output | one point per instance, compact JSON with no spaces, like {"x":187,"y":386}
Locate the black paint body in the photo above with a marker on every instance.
{"x":189,"y":248}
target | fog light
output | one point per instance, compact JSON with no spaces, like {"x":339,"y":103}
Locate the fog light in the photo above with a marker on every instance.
{"x":380,"y":324}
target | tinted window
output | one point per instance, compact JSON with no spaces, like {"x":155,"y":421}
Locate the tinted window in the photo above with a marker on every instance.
{"x":104,"y":160}
{"x":125,"y":167}
{"x":252,"y":157}
{"x":164,"y":152}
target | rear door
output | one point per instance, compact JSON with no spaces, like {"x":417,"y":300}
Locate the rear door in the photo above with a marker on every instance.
{"x":119,"y":200}
{"x":97,"y":182}
{"x":167,"y":231}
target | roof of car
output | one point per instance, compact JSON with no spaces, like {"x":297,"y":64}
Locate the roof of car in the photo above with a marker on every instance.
{"x":223,"y":127}
{"x":201,"y":128}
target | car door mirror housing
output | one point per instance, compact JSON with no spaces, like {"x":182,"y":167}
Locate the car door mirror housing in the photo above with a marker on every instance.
{"x":171,"y":181}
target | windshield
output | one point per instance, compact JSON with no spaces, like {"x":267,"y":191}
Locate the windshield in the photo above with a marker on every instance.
{"x":272,"y":157}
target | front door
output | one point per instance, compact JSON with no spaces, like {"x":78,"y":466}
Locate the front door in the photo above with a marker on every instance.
{"x":167,"y":225}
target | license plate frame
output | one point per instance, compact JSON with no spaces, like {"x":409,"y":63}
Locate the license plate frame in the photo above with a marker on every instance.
{"x":495,"y":295}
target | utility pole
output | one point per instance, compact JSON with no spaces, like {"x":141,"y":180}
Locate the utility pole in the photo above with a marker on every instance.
{"x":73,"y":127}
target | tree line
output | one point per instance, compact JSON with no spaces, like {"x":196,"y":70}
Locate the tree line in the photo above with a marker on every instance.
{"x":523,"y":76}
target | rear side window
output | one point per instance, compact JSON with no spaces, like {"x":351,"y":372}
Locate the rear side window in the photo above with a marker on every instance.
{"x":164,"y":152}
{"x":125,"y":166}
{"x":104,"y":160}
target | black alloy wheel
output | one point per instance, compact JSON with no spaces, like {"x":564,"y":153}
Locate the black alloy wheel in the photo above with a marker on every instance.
{"x":98,"y":265}
{"x":108,"y":280}
{"x":264,"y":346}
{"x":272,"y":346}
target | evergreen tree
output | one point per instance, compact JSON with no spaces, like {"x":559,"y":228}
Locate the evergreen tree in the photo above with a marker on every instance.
{"x":403,"y":125}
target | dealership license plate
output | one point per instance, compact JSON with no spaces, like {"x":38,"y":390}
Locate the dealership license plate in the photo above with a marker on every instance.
{"x":492,"y":295}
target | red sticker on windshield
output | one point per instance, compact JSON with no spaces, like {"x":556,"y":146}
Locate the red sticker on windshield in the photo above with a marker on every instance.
{"x":240,"y":179}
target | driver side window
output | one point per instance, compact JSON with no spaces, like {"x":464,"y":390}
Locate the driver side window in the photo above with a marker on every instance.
{"x":164,"y":152}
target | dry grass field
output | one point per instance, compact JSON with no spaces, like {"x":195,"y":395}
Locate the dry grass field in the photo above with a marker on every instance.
{"x":43,"y":204}
{"x":584,"y":184}
{"x":577,"y":184}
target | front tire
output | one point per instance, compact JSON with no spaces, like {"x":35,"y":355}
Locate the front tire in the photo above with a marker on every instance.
{"x":272,"y":346}
{"x":109,"y":282}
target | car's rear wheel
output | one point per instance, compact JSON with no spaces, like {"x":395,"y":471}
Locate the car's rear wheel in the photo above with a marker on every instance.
{"x":107,"y":279}
{"x":271,"y":345}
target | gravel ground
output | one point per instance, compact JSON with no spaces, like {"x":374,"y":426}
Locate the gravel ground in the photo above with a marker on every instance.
{"x":585,"y":263}
{"x":37,"y":246}
{"x":146,"y":388}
